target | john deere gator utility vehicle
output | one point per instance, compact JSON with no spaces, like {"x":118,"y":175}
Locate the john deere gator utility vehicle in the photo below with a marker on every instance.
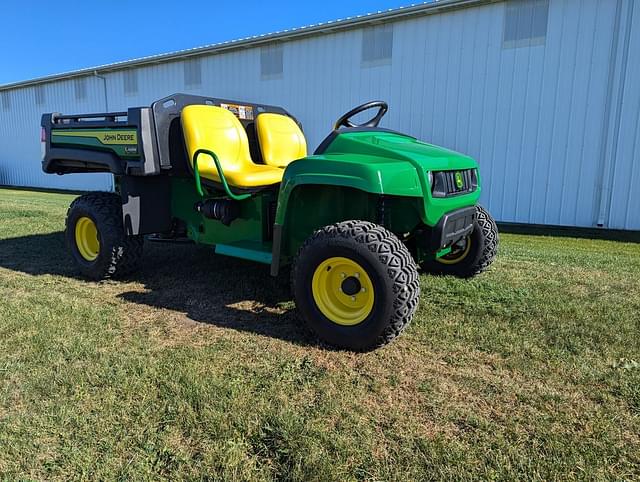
{"x":353,"y":220}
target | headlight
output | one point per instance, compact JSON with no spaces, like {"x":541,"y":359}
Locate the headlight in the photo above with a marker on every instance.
{"x":439,"y":184}
{"x":474,"y":179}
{"x":430,"y":176}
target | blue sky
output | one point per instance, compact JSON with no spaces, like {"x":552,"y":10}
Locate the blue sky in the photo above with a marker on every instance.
{"x":48,"y":37}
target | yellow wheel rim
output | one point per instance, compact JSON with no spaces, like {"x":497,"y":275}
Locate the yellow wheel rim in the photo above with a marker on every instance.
{"x":87,"y":238}
{"x":343,"y":291}
{"x":456,"y":257}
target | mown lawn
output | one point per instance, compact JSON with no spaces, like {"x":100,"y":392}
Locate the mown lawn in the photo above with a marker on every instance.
{"x":198,"y":367}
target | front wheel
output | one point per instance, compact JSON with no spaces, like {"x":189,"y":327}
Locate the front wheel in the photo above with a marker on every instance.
{"x":471,"y":255}
{"x":355,"y":284}
{"x":96,"y":238}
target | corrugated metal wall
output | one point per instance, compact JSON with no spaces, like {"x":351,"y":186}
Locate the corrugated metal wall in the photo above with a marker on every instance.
{"x":553,"y":124}
{"x":20,"y":152}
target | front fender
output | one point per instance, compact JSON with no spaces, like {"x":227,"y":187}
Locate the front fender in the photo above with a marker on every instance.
{"x":320,"y":190}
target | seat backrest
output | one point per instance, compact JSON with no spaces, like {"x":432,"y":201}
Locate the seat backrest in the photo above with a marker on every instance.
{"x":218,"y":130}
{"x":281,"y":140}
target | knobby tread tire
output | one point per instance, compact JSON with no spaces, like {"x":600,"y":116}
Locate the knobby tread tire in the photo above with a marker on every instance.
{"x":485,"y":240}
{"x":487,"y":224}
{"x":119,"y":254}
{"x":390,"y":253}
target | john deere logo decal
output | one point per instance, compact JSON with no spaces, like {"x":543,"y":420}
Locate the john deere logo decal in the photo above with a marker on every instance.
{"x":459,"y":180}
{"x":104,"y":136}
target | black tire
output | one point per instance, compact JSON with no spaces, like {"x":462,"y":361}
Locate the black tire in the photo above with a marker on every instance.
{"x":118,"y":254}
{"x":390,"y":268}
{"x":482,"y":251}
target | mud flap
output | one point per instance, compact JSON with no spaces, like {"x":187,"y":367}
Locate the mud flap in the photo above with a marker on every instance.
{"x":146,"y":204}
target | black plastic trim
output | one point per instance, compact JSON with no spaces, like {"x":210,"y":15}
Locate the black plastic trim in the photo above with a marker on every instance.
{"x":452,"y":227}
{"x":60,"y":160}
{"x":275,"y":249}
{"x":108,"y":116}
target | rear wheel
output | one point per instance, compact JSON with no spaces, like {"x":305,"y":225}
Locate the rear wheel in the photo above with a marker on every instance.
{"x":96,"y":238}
{"x":355,"y":284}
{"x":473,"y":254}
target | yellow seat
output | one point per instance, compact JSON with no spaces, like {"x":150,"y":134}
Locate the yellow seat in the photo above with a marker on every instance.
{"x":281,"y":140}
{"x":218,"y":130}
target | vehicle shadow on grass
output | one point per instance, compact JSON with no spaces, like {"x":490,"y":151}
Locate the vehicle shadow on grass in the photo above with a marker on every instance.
{"x":37,"y":254}
{"x":218,"y":290}
{"x":185,"y":278}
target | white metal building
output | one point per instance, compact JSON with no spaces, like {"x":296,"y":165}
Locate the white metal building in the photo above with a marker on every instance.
{"x":545,"y":94}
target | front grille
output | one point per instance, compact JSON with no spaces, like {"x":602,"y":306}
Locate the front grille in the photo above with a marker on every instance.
{"x":452,"y":183}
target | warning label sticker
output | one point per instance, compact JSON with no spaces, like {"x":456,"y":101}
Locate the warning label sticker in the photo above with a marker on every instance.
{"x":244,"y":112}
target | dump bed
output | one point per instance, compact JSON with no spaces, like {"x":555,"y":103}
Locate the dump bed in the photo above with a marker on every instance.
{"x":116,"y":142}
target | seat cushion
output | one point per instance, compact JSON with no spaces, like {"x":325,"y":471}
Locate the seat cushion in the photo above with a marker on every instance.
{"x":218,"y":130}
{"x":281,"y":140}
{"x":257,"y":176}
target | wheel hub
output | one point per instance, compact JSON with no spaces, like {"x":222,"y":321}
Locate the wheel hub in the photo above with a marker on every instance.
{"x":458,"y":253}
{"x":351,"y":286}
{"x":343,"y":291}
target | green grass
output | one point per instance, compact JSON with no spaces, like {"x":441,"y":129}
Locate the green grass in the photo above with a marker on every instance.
{"x":198,"y":367}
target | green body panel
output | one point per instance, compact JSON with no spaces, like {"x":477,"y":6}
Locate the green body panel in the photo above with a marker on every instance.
{"x":313,"y":206}
{"x":249,"y":227}
{"x":392,"y":145}
{"x":359,"y":171}
{"x":123,"y":142}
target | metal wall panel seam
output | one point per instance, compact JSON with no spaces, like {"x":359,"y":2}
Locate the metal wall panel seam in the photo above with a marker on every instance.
{"x":620,"y":100}
{"x":584,"y":124}
{"x":635,"y":149}
{"x":495,"y":130}
{"x":570,"y":118}
{"x":607,"y":153}
{"x":554,"y":122}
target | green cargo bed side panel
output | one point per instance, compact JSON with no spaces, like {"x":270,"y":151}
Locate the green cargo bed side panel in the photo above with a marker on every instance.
{"x":123,"y":142}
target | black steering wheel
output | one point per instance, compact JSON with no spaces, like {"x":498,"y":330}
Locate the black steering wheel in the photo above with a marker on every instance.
{"x":373,"y":122}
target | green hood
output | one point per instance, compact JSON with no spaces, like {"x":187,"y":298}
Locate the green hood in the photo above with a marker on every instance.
{"x":393,"y":163}
{"x":383,"y":162}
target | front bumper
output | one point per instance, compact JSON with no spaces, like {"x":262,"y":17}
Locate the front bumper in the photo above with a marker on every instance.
{"x":452,"y":227}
